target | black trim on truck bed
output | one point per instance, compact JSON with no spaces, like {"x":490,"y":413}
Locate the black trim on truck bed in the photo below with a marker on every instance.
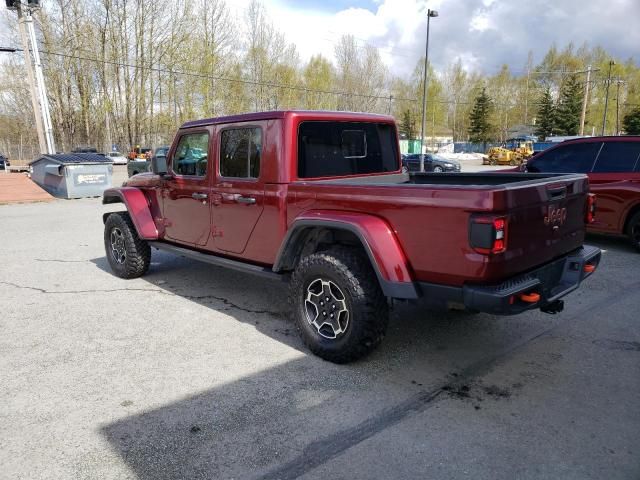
{"x":551,"y":281}
{"x":471,"y":180}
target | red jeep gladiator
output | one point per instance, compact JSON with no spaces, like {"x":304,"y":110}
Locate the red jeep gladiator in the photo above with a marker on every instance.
{"x":319,"y":199}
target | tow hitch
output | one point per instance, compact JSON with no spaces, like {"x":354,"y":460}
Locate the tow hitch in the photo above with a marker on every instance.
{"x":553,"y":307}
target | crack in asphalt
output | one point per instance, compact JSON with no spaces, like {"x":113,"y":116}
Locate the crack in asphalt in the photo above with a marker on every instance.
{"x":60,"y":261}
{"x":223,"y":300}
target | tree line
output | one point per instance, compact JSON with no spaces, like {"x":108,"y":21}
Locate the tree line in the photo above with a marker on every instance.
{"x":131,"y":72}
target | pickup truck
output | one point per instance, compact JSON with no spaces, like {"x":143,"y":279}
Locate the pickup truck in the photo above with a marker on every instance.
{"x":319,"y":199}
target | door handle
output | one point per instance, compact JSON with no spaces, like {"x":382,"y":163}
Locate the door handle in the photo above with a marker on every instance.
{"x":246,"y":200}
{"x":199,"y":196}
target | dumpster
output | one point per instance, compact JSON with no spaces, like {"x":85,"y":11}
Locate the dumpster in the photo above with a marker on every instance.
{"x":72,"y":175}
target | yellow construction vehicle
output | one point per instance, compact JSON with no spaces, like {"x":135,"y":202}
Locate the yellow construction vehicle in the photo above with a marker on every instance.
{"x":513,"y":152}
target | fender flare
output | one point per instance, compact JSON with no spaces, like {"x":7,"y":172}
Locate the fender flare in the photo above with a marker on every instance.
{"x":137,"y":207}
{"x":378,"y":240}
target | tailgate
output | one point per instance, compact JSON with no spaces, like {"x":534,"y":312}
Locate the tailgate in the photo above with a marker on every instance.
{"x":546,"y":219}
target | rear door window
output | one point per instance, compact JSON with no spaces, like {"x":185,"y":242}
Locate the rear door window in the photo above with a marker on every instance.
{"x":572,"y":158}
{"x":240,"y":150}
{"x":617,"y":157}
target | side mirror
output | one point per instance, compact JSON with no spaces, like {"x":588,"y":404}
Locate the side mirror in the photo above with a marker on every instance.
{"x":159,"y":165}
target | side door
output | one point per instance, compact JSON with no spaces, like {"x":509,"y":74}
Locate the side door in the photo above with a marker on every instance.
{"x":185,"y":191}
{"x":614,"y":174}
{"x":237,"y":192}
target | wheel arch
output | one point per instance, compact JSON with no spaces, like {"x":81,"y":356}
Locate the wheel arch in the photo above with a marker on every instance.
{"x":138,"y":208}
{"x":310,"y":232}
{"x":632,"y":211}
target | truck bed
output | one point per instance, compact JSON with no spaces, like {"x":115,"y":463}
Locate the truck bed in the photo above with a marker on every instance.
{"x":430,"y":214}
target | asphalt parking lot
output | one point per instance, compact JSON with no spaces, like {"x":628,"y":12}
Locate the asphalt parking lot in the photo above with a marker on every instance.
{"x":195,"y":372}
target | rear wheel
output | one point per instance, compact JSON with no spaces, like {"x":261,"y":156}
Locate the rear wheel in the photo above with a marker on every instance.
{"x":128,"y":255}
{"x":337,"y":304}
{"x":633,"y":230}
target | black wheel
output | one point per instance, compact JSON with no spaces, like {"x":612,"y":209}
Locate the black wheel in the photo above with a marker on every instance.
{"x":512,"y":162}
{"x":492,"y":161}
{"x":438,"y":169}
{"x":337,"y":304}
{"x":633,"y":230}
{"x":128,"y":255}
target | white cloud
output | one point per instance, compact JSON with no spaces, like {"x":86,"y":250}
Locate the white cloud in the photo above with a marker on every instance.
{"x":483,"y":33}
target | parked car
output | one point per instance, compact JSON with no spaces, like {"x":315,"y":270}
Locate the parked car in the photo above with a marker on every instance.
{"x":325,"y":207}
{"x":613,"y":167}
{"x":137,"y":166}
{"x":4,"y":162}
{"x":142,"y":163}
{"x":161,"y":152}
{"x":432,"y":163}
{"x":117,"y":158}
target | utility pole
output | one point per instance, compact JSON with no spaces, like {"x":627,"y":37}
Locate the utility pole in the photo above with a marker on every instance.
{"x":35,"y":97}
{"x":584,"y":101}
{"x":526,"y":97}
{"x":606,"y":98}
{"x":619,"y":82}
{"x":42,"y":89}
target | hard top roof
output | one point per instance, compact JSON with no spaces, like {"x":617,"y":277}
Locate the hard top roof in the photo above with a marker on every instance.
{"x":278,"y":114}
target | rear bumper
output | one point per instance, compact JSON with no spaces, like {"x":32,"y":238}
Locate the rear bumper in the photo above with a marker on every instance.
{"x":548,"y":283}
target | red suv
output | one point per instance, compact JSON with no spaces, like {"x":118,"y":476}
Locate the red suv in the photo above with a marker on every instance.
{"x":613,"y":167}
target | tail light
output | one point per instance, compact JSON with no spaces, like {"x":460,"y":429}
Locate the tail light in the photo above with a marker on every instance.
{"x":591,"y":208}
{"x":488,"y":234}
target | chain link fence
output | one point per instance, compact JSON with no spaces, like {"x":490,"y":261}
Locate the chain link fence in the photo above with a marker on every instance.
{"x":19,"y":154}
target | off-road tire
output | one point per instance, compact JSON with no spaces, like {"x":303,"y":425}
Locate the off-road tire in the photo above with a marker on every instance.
{"x":137,"y":252}
{"x":351,"y":271}
{"x":633,"y":230}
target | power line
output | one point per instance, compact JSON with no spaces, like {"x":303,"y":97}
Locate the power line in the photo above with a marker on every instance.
{"x":227,"y":79}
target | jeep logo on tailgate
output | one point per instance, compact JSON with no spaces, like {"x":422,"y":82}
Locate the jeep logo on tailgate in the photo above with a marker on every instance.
{"x":555,"y":215}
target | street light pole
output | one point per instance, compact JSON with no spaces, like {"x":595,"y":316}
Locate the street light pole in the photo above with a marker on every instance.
{"x":430,"y":13}
{"x":606,"y":98}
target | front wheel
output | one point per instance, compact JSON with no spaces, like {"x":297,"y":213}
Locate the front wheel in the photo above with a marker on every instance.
{"x":438,"y":169}
{"x":128,"y":255}
{"x":337,"y":304}
{"x":633,"y":231}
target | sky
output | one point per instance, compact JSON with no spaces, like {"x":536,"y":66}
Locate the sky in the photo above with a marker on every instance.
{"x":483,"y":34}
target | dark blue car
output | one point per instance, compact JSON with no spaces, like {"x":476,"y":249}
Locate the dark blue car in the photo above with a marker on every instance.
{"x":432,"y":163}
{"x":4,"y":162}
